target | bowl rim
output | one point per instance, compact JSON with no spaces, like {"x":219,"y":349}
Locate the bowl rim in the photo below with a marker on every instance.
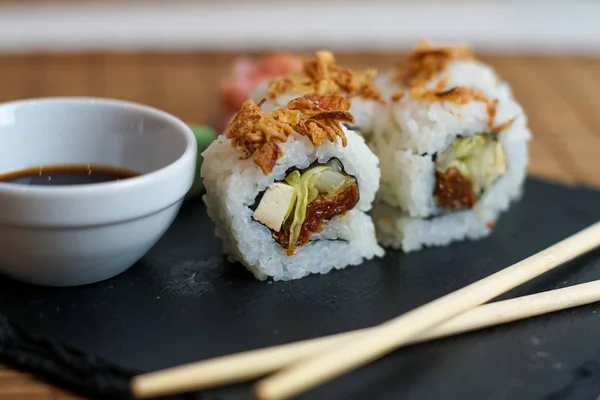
{"x":179,"y":126}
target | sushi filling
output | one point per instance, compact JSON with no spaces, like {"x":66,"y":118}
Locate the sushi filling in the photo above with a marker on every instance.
{"x":467,"y":169}
{"x":304,"y":201}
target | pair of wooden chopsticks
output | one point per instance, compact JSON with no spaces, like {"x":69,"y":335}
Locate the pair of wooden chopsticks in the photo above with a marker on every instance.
{"x":308,"y":363}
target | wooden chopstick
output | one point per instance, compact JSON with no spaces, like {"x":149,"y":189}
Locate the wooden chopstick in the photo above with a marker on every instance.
{"x":401,"y":330}
{"x":253,"y":364}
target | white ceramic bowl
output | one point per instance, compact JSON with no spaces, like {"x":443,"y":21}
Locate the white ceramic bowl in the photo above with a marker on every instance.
{"x":80,"y":234}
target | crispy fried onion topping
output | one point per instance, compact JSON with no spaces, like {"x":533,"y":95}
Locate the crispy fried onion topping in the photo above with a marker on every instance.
{"x":464,"y":95}
{"x":426,"y":61}
{"x":253,"y":131}
{"x":322,"y":75}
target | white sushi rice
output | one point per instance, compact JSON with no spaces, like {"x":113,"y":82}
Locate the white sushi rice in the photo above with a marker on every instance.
{"x":384,"y":81}
{"x":232,"y":185}
{"x":361,"y":109}
{"x":405,"y":136}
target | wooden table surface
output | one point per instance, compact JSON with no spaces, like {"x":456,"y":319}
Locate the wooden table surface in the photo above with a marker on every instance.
{"x":560,"y":94}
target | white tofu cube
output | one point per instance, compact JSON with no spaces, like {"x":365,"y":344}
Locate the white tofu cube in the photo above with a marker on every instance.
{"x":274,"y":205}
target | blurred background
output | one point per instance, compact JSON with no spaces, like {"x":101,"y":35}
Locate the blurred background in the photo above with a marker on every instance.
{"x":176,"y":55}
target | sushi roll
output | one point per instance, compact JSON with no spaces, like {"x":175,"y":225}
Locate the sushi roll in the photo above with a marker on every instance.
{"x":453,"y":149}
{"x":289,"y":189}
{"x":323,"y":76}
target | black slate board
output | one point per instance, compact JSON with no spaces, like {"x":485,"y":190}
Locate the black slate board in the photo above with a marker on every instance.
{"x":183,"y":302}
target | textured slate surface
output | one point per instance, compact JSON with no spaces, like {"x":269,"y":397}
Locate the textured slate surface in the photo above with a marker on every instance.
{"x":183,"y":302}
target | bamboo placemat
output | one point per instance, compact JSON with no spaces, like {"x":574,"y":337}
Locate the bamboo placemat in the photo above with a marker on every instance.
{"x":560,"y":94}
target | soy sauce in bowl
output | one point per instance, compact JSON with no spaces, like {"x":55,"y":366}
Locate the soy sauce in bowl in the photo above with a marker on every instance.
{"x":59,"y":175}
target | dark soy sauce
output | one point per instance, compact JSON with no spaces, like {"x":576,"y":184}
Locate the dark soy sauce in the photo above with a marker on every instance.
{"x":58,"y":175}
